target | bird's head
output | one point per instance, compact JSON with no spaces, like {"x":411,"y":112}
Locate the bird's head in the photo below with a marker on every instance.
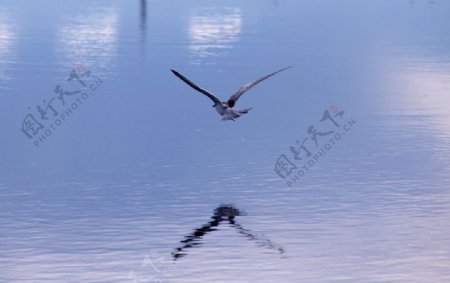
{"x":230,"y":103}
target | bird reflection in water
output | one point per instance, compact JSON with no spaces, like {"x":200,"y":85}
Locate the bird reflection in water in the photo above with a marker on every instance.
{"x":223,"y":213}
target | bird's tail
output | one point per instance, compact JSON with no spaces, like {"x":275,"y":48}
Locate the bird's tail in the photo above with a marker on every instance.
{"x":244,"y":111}
{"x":234,"y":114}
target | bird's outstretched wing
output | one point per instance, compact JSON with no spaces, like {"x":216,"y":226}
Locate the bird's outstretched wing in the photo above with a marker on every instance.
{"x":248,"y":86}
{"x":196,"y":87}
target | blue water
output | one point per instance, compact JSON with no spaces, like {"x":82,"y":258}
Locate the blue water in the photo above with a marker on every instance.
{"x":140,"y":180}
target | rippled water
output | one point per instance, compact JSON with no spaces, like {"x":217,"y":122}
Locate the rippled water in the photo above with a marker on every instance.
{"x":142,"y":182}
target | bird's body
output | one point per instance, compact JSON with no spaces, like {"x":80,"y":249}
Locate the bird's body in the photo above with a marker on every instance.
{"x":229,"y":113}
{"x":225,"y":109}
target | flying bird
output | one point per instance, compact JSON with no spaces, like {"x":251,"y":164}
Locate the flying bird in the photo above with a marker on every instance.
{"x":225,"y":109}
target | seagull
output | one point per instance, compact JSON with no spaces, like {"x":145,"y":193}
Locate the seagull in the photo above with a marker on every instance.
{"x":225,"y":109}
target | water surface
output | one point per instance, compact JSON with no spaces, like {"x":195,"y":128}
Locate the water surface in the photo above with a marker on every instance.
{"x":144,"y":166}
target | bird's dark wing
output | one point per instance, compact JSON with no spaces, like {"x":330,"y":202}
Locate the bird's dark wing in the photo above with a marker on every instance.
{"x":196,"y":87}
{"x":248,"y":86}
